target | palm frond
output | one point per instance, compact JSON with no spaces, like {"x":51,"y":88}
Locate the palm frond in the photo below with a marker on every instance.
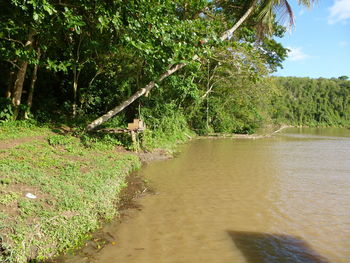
{"x":285,"y":12}
{"x":279,"y":9}
{"x":307,"y":3}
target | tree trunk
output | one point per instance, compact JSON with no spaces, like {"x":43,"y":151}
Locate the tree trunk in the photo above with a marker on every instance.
{"x":227,"y":34}
{"x":18,"y":86}
{"x":32,"y":85}
{"x":207,"y":93}
{"x":9,"y":90}
{"x":76,"y":73}
{"x":75,"y":91}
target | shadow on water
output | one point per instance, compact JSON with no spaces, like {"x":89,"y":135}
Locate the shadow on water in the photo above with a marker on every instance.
{"x":274,"y":248}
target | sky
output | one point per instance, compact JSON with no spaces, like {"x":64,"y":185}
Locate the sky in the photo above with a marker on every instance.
{"x":320,"y":41}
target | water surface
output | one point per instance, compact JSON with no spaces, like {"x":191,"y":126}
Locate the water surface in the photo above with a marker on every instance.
{"x":272,"y":200}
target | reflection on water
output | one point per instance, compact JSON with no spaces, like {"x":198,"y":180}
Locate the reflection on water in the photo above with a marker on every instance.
{"x":296,"y":184}
{"x":272,"y":248}
{"x":320,"y":132}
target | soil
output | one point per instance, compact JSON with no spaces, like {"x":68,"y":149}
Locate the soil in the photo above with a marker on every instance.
{"x":11,"y":143}
{"x":12,"y":209}
{"x":147,"y":156}
{"x":136,"y":188}
{"x":155,"y":155}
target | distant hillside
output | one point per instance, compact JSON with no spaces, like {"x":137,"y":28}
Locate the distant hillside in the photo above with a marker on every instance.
{"x":312,"y":102}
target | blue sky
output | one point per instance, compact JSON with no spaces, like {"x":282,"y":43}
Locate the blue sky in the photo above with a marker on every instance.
{"x":320,"y":41}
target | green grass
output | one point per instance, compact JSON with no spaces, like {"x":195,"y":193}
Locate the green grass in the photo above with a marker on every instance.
{"x":76,"y":185}
{"x":20,"y":129}
{"x":7,"y":198}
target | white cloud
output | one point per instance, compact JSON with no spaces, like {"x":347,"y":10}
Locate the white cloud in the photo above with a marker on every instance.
{"x":339,"y":11}
{"x":296,"y":54}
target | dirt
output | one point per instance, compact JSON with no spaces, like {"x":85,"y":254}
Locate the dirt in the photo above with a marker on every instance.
{"x":155,"y":155}
{"x":11,"y":143}
{"x":147,"y":156}
{"x":12,"y":209}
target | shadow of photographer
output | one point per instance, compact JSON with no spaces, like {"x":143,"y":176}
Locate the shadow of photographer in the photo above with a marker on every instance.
{"x":274,"y":248}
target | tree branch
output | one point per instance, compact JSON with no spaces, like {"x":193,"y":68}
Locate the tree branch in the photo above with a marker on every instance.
{"x":227,"y":34}
{"x":14,"y":40}
{"x":13,"y":64}
{"x":138,"y":94}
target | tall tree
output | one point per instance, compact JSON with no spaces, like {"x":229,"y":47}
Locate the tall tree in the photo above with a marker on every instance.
{"x":21,"y":23}
{"x":265,"y":16}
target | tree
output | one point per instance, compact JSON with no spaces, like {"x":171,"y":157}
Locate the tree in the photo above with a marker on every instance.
{"x":61,"y":36}
{"x":312,"y":102}
{"x":265,"y":17}
{"x":343,"y":78}
{"x":20,"y":26}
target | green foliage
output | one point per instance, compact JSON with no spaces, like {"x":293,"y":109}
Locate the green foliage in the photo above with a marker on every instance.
{"x":96,"y":54}
{"x":233,"y":91}
{"x":7,"y":198}
{"x":167,"y":127}
{"x":101,"y":141}
{"x":67,"y":142}
{"x":6,"y":110}
{"x":311,"y":102}
{"x":343,"y":78}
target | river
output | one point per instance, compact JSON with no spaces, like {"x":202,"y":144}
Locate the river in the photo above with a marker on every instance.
{"x":271,"y":200}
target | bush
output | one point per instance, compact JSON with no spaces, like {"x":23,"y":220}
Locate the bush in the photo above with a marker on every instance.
{"x":6,"y":110}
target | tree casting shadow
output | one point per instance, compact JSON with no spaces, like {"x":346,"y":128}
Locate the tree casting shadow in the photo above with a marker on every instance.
{"x":274,"y":248}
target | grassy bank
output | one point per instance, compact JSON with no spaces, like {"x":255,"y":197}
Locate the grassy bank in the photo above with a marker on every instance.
{"x":76,"y":187}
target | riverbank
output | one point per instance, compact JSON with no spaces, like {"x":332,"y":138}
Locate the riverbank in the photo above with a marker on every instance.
{"x":55,"y":191}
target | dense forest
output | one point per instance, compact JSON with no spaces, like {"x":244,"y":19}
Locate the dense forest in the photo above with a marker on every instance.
{"x":311,"y":102}
{"x":180,"y":65}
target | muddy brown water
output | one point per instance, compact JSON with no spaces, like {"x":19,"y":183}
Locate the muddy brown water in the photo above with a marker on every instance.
{"x":272,"y":200}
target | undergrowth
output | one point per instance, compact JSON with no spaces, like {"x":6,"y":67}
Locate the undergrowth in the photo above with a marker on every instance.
{"x":166,"y":131}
